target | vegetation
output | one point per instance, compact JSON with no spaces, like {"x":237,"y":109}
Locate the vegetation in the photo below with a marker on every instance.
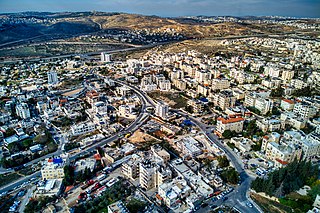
{"x":118,"y":191}
{"x":254,"y":110}
{"x":229,"y":134}
{"x":277,"y":93}
{"x":288,"y":179}
{"x":38,"y":204}
{"x":223,"y":161}
{"x":230,"y":175}
{"x":69,"y":177}
{"x":5,"y":179}
{"x":135,"y":206}
{"x":69,"y":146}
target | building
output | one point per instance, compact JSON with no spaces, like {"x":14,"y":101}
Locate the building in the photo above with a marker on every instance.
{"x":23,"y":111}
{"x":162,"y":110}
{"x":117,"y":207}
{"x":287,"y":104}
{"x":224,"y":99}
{"x":105,"y":57}
{"x":164,"y":85}
{"x":189,"y":147}
{"x":232,"y":124}
{"x":269,"y":125}
{"x":293,"y":120}
{"x":82,"y":128}
{"x":152,"y":175}
{"x":172,"y":192}
{"x":130,"y":169}
{"x":305,"y":110}
{"x":281,"y":155}
{"x":49,"y":188}
{"x":52,"y":77}
{"x":242,"y":144}
{"x":220,"y":84}
{"x":53,"y":168}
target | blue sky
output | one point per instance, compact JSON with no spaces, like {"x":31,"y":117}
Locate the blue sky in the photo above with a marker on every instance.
{"x":297,"y":8}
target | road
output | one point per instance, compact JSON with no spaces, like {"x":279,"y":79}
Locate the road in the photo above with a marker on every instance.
{"x":142,"y":117}
{"x":239,"y":197}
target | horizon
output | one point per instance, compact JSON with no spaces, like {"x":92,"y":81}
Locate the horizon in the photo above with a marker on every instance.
{"x":176,"y":8}
{"x":237,"y":16}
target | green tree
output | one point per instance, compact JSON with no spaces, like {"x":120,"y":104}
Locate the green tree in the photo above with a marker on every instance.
{"x":223,"y":161}
{"x":230,"y":176}
{"x":135,"y":206}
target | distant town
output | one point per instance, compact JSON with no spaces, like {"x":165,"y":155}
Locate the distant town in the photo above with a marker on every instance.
{"x":164,"y":131}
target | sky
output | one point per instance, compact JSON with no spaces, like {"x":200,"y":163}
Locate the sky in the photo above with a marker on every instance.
{"x":172,"y":8}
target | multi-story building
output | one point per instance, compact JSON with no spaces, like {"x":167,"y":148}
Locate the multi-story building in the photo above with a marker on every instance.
{"x":189,"y":147}
{"x":292,"y":119}
{"x":105,"y":57}
{"x":232,"y":124}
{"x":82,"y":128}
{"x":305,"y":110}
{"x":172,"y":192}
{"x":164,"y":85}
{"x":152,"y":174}
{"x":180,"y":84}
{"x":220,"y":84}
{"x":23,"y":111}
{"x":53,"y":168}
{"x":130,"y":169}
{"x":162,"y":110}
{"x":287,"y":75}
{"x":53,"y":77}
{"x":269,"y":125}
{"x":281,"y":155}
{"x":298,"y":84}
{"x":287,"y":104}
{"x":224,"y":99}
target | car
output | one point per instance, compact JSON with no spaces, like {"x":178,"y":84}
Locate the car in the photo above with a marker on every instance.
{"x":249,"y":204}
{"x":224,"y":198}
{"x":213,"y":206}
{"x":204,"y":205}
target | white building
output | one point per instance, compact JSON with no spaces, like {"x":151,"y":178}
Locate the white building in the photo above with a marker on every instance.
{"x":232,"y":124}
{"x":23,"y":111}
{"x":53,"y":168}
{"x":162,"y":110}
{"x":304,"y":110}
{"x":105,"y":57}
{"x":52,"y":77}
{"x":82,"y":128}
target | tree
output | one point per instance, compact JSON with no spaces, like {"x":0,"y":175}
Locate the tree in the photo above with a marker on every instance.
{"x":230,"y":176}
{"x":223,"y":161}
{"x":228,"y":134}
{"x":135,"y":205}
{"x":68,"y":175}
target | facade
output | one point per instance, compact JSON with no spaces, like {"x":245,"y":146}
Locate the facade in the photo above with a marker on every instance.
{"x":53,"y":77}
{"x":224,"y":99}
{"x":232,"y":124}
{"x":220,"y":84}
{"x":305,"y":110}
{"x":162,"y":110}
{"x":82,"y":128}
{"x":281,"y":155}
{"x":23,"y":111}
{"x":105,"y":57}
{"x":287,"y":104}
{"x":53,"y":168}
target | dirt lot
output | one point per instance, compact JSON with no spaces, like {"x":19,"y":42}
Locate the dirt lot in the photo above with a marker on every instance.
{"x":268,"y":205}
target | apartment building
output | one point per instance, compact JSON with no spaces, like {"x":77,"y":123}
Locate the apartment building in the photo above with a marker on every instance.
{"x":189,"y":147}
{"x":281,"y":155}
{"x":82,"y":128}
{"x":305,"y":110}
{"x":53,"y":168}
{"x":162,"y":110}
{"x":287,"y":104}
{"x":232,"y":124}
{"x":224,"y":99}
{"x":220,"y":84}
{"x":23,"y":110}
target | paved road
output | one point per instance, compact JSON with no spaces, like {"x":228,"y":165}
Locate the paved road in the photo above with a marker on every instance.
{"x":142,"y":117}
{"x":239,"y":197}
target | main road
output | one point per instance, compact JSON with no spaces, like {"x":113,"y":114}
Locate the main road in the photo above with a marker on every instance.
{"x":239,"y":198}
{"x":142,"y":117}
